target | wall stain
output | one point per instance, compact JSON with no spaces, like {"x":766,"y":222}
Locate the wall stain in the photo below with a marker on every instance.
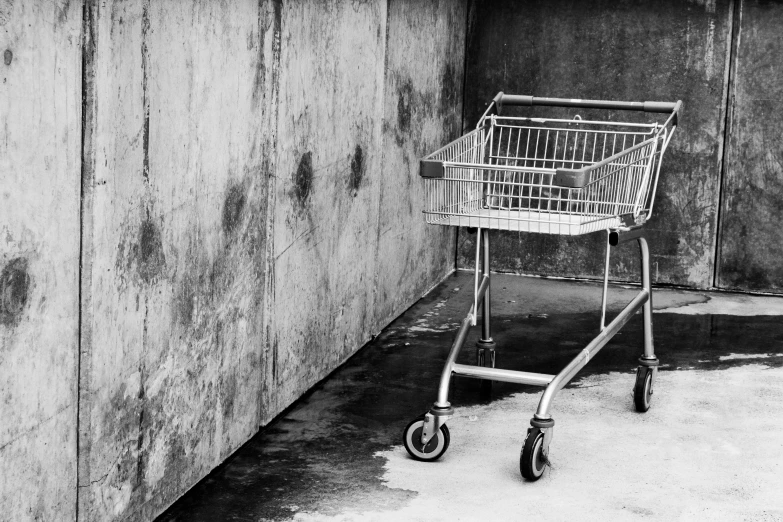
{"x":8,"y":56}
{"x":303,"y":179}
{"x":450,"y":89}
{"x":233,"y":207}
{"x":404,"y":100}
{"x":228,"y":394}
{"x":14,"y":291}
{"x":62,"y":12}
{"x":143,"y":254}
{"x":149,"y":251}
{"x":357,"y":170}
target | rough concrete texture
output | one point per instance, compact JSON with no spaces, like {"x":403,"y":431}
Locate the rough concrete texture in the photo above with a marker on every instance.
{"x":708,"y":449}
{"x":632,"y":50}
{"x":750,"y":236}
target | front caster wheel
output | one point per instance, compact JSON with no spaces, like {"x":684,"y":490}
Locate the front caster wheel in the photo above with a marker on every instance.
{"x":642,"y":390}
{"x":435,"y":447}
{"x":532,"y":461}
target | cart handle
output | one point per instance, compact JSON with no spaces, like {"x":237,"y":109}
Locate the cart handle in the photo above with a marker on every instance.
{"x":514,"y":99}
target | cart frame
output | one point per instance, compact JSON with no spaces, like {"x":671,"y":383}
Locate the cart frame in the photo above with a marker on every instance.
{"x":421,"y":435}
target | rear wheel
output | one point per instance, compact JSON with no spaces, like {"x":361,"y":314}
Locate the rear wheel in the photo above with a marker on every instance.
{"x":642,"y":390}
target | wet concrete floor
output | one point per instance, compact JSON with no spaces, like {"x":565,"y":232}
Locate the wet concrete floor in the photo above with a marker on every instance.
{"x":337,"y":453}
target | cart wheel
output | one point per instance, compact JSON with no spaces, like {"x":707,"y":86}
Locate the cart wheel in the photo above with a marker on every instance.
{"x":436,"y":446}
{"x":532,"y":461}
{"x":642,"y":390}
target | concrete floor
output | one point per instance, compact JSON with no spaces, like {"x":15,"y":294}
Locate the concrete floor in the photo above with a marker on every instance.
{"x":710,"y":448}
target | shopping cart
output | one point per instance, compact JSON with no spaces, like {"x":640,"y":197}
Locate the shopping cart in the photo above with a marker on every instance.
{"x":546,"y":176}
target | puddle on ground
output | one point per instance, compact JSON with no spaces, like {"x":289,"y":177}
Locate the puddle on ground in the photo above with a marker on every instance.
{"x":319,"y":456}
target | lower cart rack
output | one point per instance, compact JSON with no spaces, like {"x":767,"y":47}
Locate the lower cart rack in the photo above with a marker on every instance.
{"x":549,"y":176}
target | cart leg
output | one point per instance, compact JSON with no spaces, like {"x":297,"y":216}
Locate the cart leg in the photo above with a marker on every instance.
{"x":485,"y":346}
{"x":649,"y":352}
{"x":648,"y":362}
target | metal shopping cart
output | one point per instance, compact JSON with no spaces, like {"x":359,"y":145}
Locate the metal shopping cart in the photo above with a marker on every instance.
{"x":546,"y":176}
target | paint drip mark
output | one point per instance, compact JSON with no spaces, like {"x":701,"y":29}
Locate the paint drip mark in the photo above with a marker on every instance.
{"x":357,"y":171}
{"x":14,"y":289}
{"x":233,"y":207}
{"x":303,"y":179}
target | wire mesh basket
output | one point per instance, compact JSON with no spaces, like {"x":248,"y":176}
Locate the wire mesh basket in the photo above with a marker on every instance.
{"x":550,"y":176}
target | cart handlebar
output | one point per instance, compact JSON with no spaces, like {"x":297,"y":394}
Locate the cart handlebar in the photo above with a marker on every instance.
{"x":514,"y":99}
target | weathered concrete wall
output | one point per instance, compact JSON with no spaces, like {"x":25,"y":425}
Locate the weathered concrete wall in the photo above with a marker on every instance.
{"x":422,"y":112}
{"x":233,"y":212}
{"x":178,"y":159}
{"x":751,"y":241}
{"x":40,"y":134}
{"x":250,"y":217}
{"x":325,"y":191}
{"x":634,"y":50}
{"x":351,"y":250}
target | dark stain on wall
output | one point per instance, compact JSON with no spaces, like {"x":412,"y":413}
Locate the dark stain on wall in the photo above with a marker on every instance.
{"x":8,"y":56}
{"x":303,"y":179}
{"x":150,"y":257}
{"x":14,"y":291}
{"x":233,"y":207}
{"x":123,"y":416}
{"x":450,"y":88}
{"x":404,"y":101}
{"x":228,"y":394}
{"x":357,"y":170}
{"x":62,"y":12}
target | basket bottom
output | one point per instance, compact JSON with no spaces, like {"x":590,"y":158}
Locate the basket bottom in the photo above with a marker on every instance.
{"x":527,"y":221}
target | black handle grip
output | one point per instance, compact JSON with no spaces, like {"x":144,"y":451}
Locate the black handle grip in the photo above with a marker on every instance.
{"x":514,"y":99}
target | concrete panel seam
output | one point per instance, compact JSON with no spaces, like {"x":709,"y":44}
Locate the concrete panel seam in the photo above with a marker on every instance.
{"x":84,"y":327}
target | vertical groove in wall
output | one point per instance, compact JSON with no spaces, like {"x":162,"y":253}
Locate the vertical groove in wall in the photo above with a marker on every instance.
{"x":269,"y":270}
{"x":377,"y":326}
{"x":89,"y":111}
{"x":145,"y":27}
{"x":469,"y":11}
{"x":734,"y":29}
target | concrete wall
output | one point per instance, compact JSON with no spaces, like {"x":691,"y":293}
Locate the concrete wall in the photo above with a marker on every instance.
{"x":240,"y":187}
{"x":178,"y":162}
{"x":751,"y":238}
{"x":652,"y":50}
{"x":354,"y":116}
{"x":40,"y":136}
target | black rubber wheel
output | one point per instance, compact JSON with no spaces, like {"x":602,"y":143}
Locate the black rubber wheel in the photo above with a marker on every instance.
{"x":532,"y":461}
{"x":436,"y":446}
{"x":642,"y":390}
